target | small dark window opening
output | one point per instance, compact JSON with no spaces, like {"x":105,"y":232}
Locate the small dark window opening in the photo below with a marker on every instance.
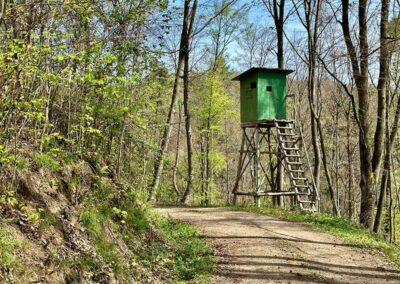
{"x":269,"y":88}
{"x":253,"y":85}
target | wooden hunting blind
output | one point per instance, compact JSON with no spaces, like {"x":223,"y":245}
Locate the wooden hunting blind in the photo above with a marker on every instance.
{"x":262,"y":94}
{"x":270,"y":145}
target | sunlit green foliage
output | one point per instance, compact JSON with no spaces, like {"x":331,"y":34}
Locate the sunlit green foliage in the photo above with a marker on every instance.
{"x":95,"y":222}
{"x":8,"y":244}
{"x":43,"y":160}
{"x":216,"y":109}
{"x":194,"y":257}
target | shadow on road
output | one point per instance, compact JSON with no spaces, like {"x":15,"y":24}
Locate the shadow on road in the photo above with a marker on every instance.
{"x":238,"y":268}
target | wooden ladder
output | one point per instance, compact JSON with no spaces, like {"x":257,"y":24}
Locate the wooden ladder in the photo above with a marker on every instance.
{"x":306,"y":195}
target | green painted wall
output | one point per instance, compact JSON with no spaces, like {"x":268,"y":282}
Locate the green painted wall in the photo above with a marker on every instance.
{"x":248,"y":99}
{"x":257,"y":102}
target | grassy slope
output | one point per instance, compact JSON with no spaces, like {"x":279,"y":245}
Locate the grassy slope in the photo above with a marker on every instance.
{"x":65,"y":222}
{"x":174,"y":251}
{"x":345,"y":229}
{"x":162,"y":251}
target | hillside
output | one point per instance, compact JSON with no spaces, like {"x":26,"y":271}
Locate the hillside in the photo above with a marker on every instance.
{"x":70,"y":224}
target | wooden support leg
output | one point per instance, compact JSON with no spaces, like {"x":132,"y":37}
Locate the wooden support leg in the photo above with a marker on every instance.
{"x":279,"y":181}
{"x":239,"y":169}
{"x":257,"y":168}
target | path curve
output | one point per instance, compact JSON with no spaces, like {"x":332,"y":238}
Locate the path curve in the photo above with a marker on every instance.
{"x":254,"y":248}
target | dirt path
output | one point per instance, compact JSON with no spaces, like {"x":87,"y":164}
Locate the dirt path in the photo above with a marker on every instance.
{"x":253,"y":248}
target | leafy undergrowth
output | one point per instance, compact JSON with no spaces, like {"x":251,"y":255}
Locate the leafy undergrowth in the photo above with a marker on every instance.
{"x":7,"y":246}
{"x":194,"y":257}
{"x":349,"y":231}
{"x":66,"y":221}
{"x":165,"y":250}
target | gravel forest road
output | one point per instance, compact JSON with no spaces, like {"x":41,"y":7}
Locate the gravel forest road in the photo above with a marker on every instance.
{"x":254,"y":248}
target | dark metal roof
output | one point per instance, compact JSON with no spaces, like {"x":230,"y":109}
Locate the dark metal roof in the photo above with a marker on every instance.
{"x":257,"y":69}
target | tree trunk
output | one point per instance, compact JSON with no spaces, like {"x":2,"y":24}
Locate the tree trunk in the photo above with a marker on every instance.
{"x":279,"y":16}
{"x":368,"y":166}
{"x":350,"y":200}
{"x":208,"y":163}
{"x":178,"y":139}
{"x":311,"y":23}
{"x":159,"y":163}
{"x":227,"y":164}
{"x":335,"y":207}
{"x":208,"y":146}
{"x":385,"y":175}
{"x":203,"y":167}
{"x":382,"y":82}
{"x":120,"y":148}
{"x":383,"y":110}
{"x":384,"y":184}
{"x":183,"y":49}
{"x":279,"y":24}
{"x":337,"y":153}
{"x":189,"y":144}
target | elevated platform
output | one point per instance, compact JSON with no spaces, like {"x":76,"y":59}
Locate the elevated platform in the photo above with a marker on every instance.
{"x":264,"y":123}
{"x":269,"y":148}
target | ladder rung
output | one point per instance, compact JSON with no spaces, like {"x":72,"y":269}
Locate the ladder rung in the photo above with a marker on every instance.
{"x":305,"y":201}
{"x":299,"y":178}
{"x":293,"y":170}
{"x":301,"y":185}
{"x":293,"y":135}
{"x":297,"y":171}
{"x":296,"y":177}
{"x":290,"y":149}
{"x":284,"y":127}
{"x":296,"y":158}
{"x":294,"y":163}
{"x":271,"y":193}
{"x":302,"y":193}
{"x":312,"y":209}
{"x":293,"y":155}
{"x":288,"y":134}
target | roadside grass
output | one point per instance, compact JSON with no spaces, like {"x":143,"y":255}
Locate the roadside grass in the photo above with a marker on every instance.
{"x":349,"y":231}
{"x":194,"y":260}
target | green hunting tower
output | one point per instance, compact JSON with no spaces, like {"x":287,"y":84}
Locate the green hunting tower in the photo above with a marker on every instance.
{"x":270,"y":145}
{"x":262,"y":94}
